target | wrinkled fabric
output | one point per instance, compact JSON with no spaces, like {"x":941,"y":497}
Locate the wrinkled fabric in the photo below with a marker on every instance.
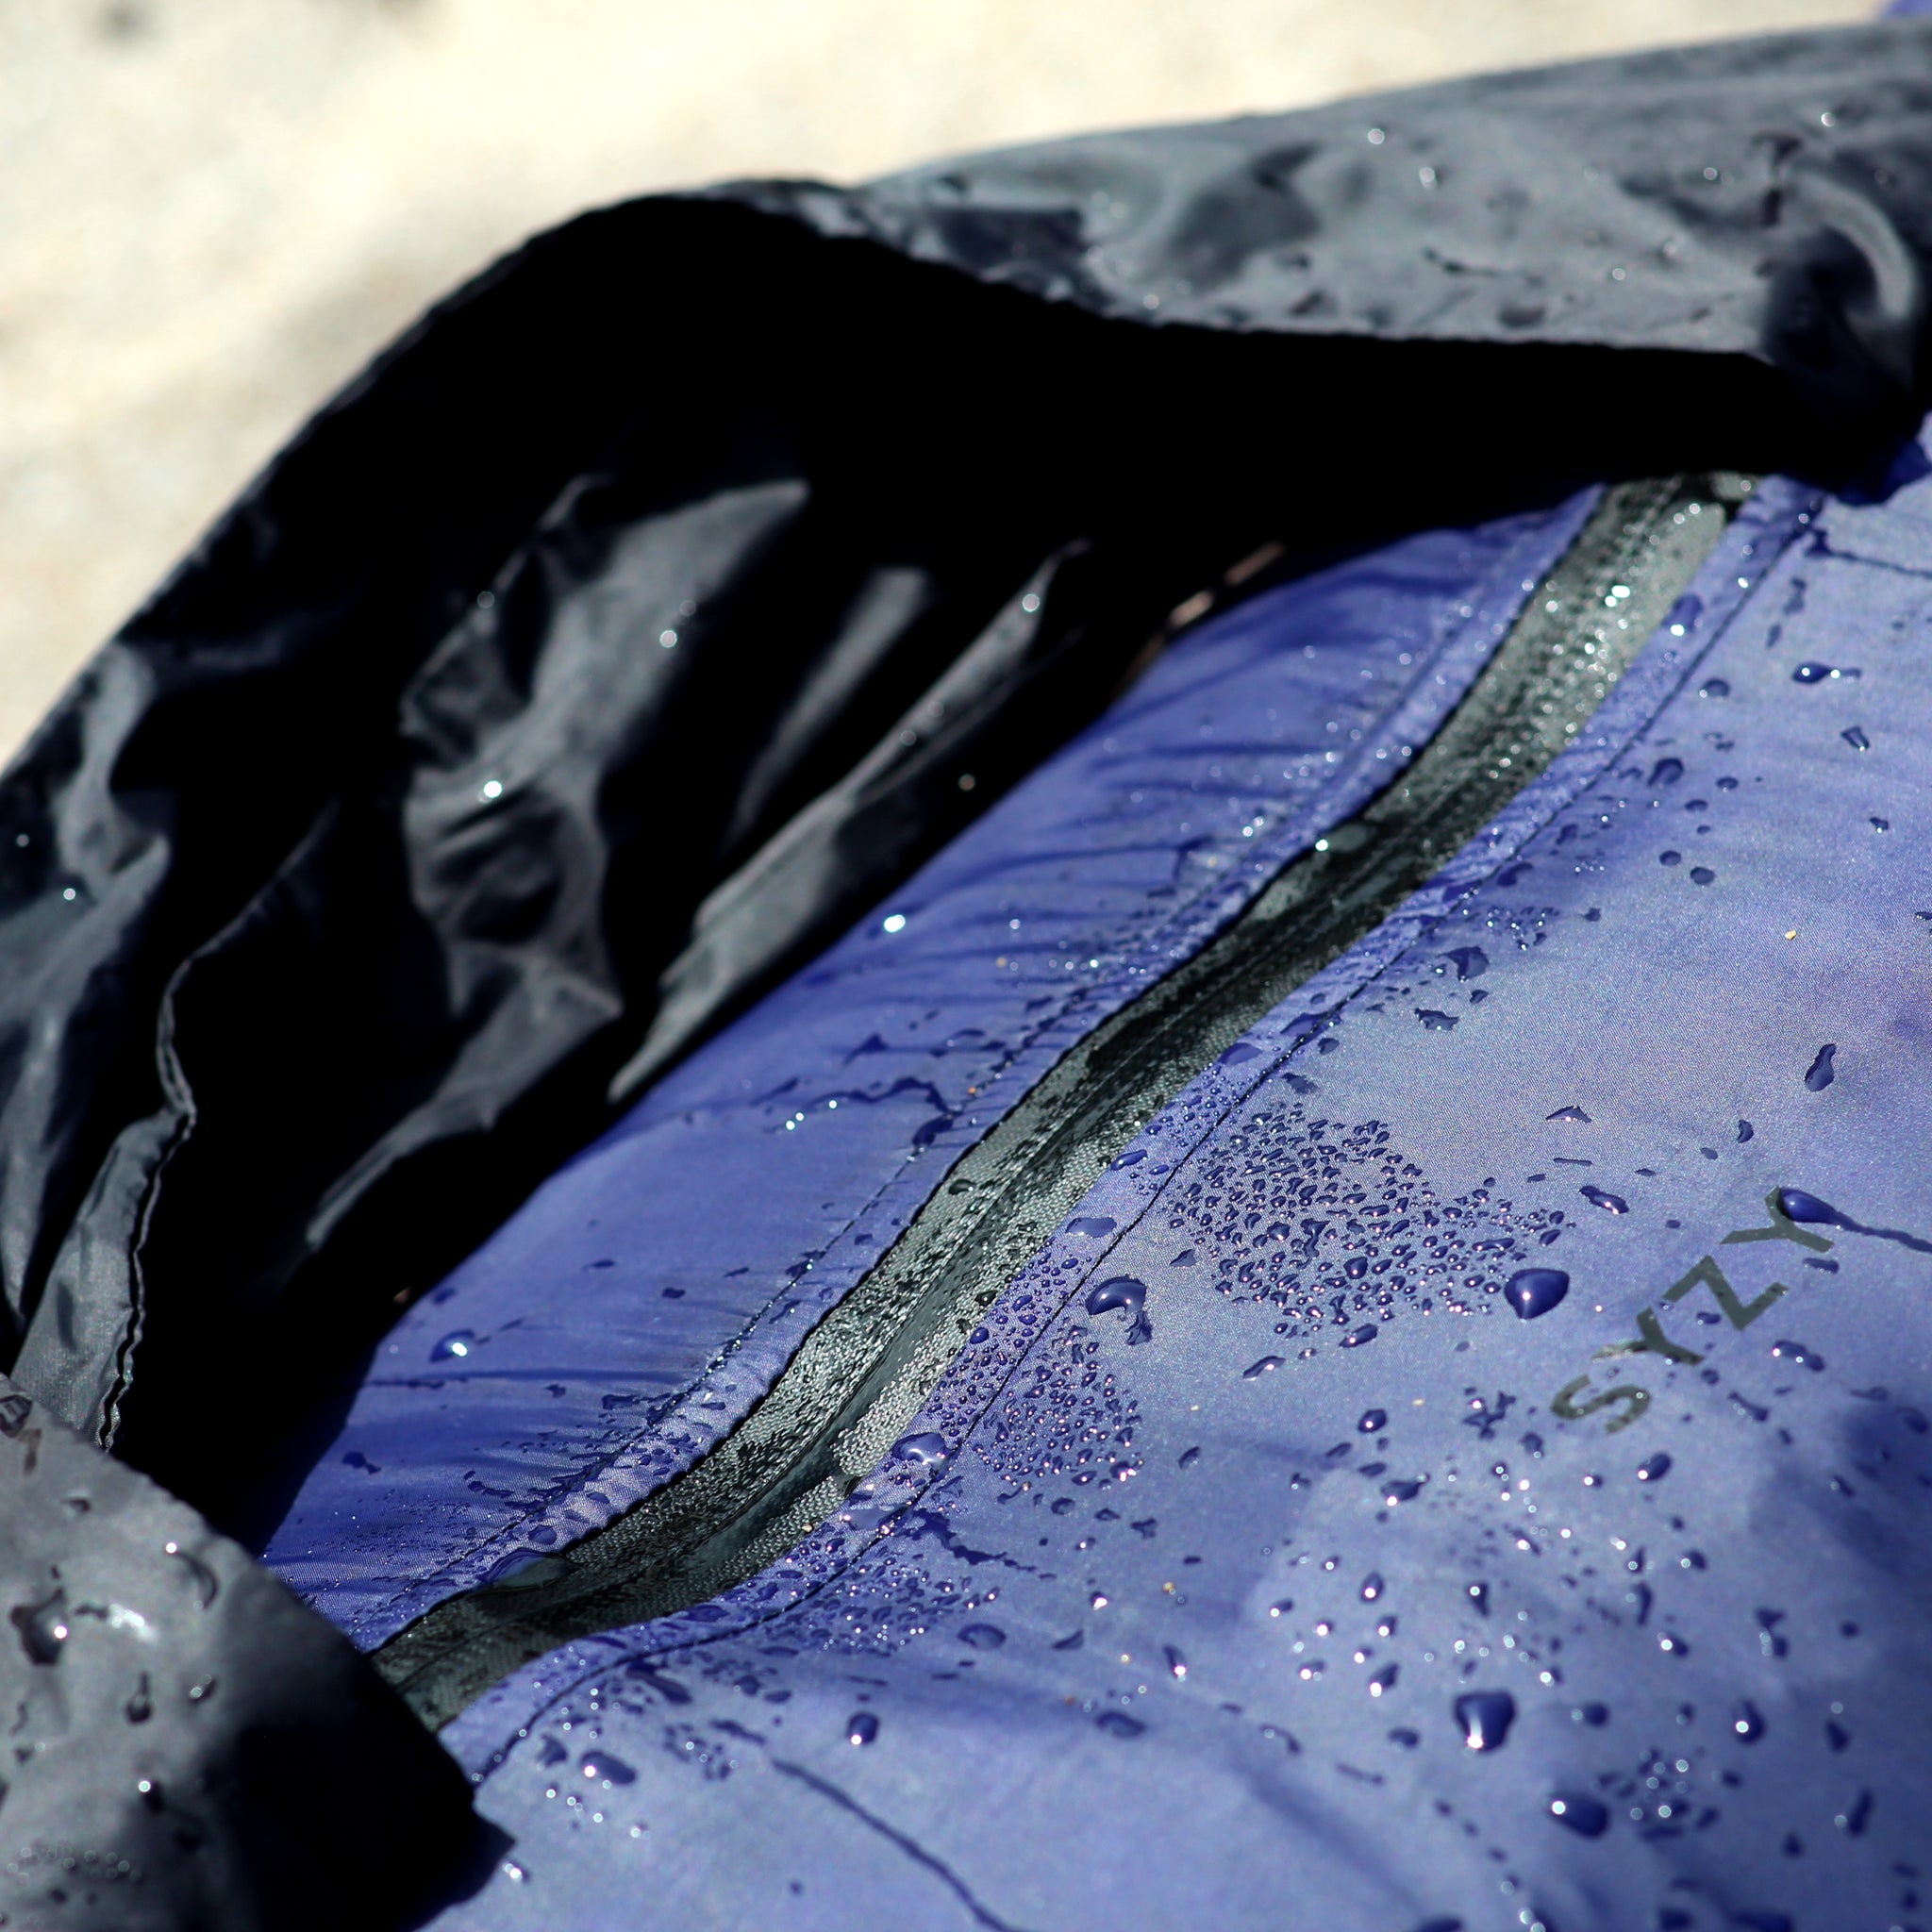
{"x":640,"y":1304}
{"x":591,"y":662}
{"x":1765,"y":197}
{"x":1499,"y":1507}
{"x":187,"y":1746}
{"x":351,"y":875}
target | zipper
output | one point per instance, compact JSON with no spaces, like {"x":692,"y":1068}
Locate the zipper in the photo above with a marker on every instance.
{"x":861,"y":1375}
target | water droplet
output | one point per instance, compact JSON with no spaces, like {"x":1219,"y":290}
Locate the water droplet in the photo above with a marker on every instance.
{"x":1373,"y":1421}
{"x":927,"y":1447}
{"x":1435,"y":1022}
{"x":1394,"y":1493}
{"x":141,"y":1706}
{"x":1484,"y":1717}
{"x":1176,"y":1663}
{"x":1569,"y":1113}
{"x":606,"y":1767}
{"x":1714,"y":687}
{"x":1749,"y":1723}
{"x":1367,"y":1332}
{"x":862,"y":1727}
{"x":1820,"y":1074}
{"x":1124,"y":1291}
{"x":1654,"y":1470}
{"x":1745,"y":1130}
{"x":1856,"y":738}
{"x":1669,"y":859}
{"x":455,"y":1346}
{"x":1703,"y":876}
{"x":516,"y":1874}
{"x":1610,"y":1203}
{"x":983,"y":1636}
{"x":1583,"y":1815}
{"x":1796,"y":1204}
{"x":1117,"y":1724}
{"x":1666,"y":771}
{"x":1373,"y":1586}
{"x":1472,"y":962}
{"x":1092,"y":1225}
{"x":43,"y":1627}
{"x":1594,"y":1715}
{"x":894,"y":922}
{"x":1798,"y":1355}
{"x":1266,"y":1366}
{"x":1533,"y":1291}
{"x":207,"y":1586}
{"x":524,"y":1570}
{"x":1813,"y":673}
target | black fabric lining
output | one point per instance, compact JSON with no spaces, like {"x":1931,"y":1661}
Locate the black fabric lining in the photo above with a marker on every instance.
{"x":866,"y":1369}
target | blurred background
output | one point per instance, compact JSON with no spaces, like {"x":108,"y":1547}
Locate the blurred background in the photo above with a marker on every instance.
{"x":213,"y":211}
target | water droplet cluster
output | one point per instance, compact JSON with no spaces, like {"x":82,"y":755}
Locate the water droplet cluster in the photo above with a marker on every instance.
{"x":1334,"y":1227}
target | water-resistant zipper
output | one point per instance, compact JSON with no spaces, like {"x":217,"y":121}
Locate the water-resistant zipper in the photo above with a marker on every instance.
{"x":868,"y":1367}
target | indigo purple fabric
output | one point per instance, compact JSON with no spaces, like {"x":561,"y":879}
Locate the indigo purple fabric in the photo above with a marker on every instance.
{"x":1353,"y":1598}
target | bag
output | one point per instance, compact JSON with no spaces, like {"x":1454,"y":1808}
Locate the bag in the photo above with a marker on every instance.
{"x":1026,"y":1423}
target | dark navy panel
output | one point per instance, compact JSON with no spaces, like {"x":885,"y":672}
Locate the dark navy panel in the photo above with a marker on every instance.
{"x":1517,"y":1515}
{"x":636,"y":1308}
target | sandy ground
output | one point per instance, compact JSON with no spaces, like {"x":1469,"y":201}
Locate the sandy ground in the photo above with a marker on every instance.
{"x":213,"y":210}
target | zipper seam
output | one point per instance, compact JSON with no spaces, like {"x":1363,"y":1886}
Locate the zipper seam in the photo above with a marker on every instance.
{"x":485,"y":1720}
{"x":964,"y":1244}
{"x":1390,"y":737}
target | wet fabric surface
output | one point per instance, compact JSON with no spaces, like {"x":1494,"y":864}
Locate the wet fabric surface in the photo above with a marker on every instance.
{"x":1508,"y":1512}
{"x":1702,"y":195}
{"x":569,"y":682}
{"x":343,"y":885}
{"x":165,"y":1697}
{"x":637,"y":1308}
